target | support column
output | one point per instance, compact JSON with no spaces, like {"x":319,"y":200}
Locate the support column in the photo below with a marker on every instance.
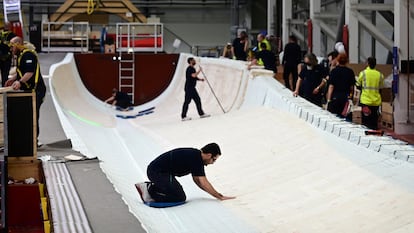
{"x":287,"y":17}
{"x":315,"y":9}
{"x":403,"y":116}
{"x":235,"y":24}
{"x":271,"y":17}
{"x":353,"y":25}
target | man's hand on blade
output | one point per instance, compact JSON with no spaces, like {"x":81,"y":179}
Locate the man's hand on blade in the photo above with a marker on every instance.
{"x":223,"y":198}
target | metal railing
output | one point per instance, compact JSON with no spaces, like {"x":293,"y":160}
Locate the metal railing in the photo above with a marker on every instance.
{"x":139,"y":37}
{"x":171,"y":45}
{"x":65,"y":37}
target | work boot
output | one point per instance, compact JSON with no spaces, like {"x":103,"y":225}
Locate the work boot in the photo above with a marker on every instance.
{"x":186,"y":119}
{"x":205,"y":115}
{"x":142,"y":188}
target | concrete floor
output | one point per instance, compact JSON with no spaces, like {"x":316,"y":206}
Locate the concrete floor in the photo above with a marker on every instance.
{"x":106,"y":211}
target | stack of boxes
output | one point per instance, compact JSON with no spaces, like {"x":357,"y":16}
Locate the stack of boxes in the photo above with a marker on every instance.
{"x":387,"y":110}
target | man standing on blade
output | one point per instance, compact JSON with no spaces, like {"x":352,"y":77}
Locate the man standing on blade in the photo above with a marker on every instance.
{"x":190,"y":90}
{"x":292,"y":55}
{"x":164,"y":187}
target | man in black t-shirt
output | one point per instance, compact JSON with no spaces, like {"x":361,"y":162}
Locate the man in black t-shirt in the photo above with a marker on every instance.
{"x":311,"y":80}
{"x":120,"y":99}
{"x":190,"y":90}
{"x":164,"y":187}
{"x":28,"y":76}
{"x":341,"y":85}
{"x":292,"y":55}
{"x":240,"y":46}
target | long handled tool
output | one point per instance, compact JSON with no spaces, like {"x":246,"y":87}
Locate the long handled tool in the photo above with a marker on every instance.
{"x":211,"y":88}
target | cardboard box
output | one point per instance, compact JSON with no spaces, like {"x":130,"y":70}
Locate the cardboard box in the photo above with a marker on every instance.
{"x":386,"y":95}
{"x":357,"y":117}
{"x":386,"y":107}
{"x":357,"y":95}
{"x":387,"y":121}
{"x":385,"y":69}
{"x":388,"y":117}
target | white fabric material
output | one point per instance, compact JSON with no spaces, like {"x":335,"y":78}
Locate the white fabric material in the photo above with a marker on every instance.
{"x":293,"y":166}
{"x":67,"y":211}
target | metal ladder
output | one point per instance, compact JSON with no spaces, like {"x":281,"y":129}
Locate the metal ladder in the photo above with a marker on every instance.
{"x":127,"y":73}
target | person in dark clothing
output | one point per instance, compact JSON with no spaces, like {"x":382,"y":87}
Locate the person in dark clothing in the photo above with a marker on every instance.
{"x":292,"y":55}
{"x":164,"y":187}
{"x":119,"y":99}
{"x":311,"y":80}
{"x":240,"y":46}
{"x":5,"y":53}
{"x":190,"y":90}
{"x":332,"y":60}
{"x":268,"y":58}
{"x":28,"y":76}
{"x":340,"y":86}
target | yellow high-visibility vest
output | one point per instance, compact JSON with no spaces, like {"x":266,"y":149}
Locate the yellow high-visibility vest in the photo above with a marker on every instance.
{"x":268,"y":47}
{"x":371,"y":81}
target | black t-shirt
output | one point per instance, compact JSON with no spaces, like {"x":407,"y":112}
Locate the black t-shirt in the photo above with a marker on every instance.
{"x":268,"y":58}
{"x":122,"y":99}
{"x":179,"y":162}
{"x":292,"y":55}
{"x":238,"y":47}
{"x":28,"y":63}
{"x":311,"y":79}
{"x":190,"y":82}
{"x":342,"y":78}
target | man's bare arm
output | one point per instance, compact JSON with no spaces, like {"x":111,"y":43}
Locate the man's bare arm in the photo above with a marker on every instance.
{"x":110,"y":99}
{"x":205,"y":185}
{"x":195,"y":74}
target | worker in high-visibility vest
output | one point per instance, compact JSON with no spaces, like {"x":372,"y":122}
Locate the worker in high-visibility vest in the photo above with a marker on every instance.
{"x":370,"y":81}
{"x":28,"y":76}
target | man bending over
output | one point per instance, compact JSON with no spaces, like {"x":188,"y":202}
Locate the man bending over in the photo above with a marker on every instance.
{"x":164,"y":187}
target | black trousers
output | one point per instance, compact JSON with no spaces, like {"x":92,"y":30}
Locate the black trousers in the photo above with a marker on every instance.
{"x":5,"y":70}
{"x":371,"y":120}
{"x":315,"y":99}
{"x":40,"y":96}
{"x":336,"y":106}
{"x":191,"y":94}
{"x":287,"y":70}
{"x":164,"y":187}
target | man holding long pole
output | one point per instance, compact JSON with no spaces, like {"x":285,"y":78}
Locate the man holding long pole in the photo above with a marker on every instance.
{"x":191,"y":76}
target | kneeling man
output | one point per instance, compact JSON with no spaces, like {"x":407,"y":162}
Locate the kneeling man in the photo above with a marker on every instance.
{"x":164,"y":187}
